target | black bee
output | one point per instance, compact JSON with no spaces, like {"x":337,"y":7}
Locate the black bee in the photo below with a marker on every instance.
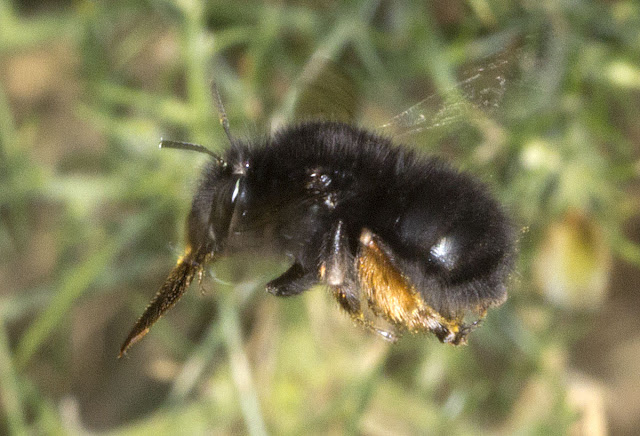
{"x":402,"y":241}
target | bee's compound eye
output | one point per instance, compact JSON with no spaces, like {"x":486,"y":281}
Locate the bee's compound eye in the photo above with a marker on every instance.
{"x":444,"y":251}
{"x":236,"y":190}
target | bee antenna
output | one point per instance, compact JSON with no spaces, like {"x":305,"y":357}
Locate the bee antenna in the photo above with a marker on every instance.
{"x":222,"y":114}
{"x":167,"y":143}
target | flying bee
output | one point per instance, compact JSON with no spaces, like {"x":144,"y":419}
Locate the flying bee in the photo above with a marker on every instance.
{"x":402,"y":241}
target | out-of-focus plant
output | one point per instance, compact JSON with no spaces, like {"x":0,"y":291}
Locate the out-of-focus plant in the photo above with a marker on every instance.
{"x":95,"y":207}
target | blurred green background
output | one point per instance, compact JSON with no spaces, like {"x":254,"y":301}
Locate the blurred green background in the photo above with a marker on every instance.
{"x":92,"y":215}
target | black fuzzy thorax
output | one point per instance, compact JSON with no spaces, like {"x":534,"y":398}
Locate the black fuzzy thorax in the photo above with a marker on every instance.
{"x":306,"y":177}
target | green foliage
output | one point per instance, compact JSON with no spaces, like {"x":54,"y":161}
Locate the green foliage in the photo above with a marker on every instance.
{"x":89,"y":206}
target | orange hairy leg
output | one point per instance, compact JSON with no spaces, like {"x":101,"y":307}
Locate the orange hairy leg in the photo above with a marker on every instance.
{"x":390,"y":295}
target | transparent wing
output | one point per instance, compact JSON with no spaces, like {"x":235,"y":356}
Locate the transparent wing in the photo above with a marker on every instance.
{"x":477,"y":95}
{"x":324,"y":91}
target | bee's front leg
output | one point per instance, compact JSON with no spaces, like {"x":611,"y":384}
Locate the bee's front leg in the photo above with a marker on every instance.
{"x":293,"y":282}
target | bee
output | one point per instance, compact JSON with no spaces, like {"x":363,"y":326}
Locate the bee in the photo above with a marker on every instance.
{"x":402,"y":241}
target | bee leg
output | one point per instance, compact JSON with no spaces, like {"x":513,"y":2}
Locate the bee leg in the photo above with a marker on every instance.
{"x":187,"y":267}
{"x":461,"y":336}
{"x":347,"y":297}
{"x":355,"y":304}
{"x":393,"y":297}
{"x":293,"y":282}
{"x":336,"y":266}
{"x":338,"y":271}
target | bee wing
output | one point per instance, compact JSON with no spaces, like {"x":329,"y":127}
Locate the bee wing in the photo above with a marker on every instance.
{"x":325,"y":90}
{"x":478,"y":95}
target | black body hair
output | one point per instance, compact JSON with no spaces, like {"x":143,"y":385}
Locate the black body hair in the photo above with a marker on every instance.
{"x":294,"y":186}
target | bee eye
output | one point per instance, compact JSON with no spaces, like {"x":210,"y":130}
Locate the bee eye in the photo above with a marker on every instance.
{"x":225,"y":201}
{"x":236,"y":189}
{"x":444,"y":251}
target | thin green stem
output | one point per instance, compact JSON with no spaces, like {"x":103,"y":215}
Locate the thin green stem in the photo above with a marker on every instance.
{"x":194,"y":367}
{"x":240,"y":368}
{"x":7,"y":129}
{"x":195,"y":37}
{"x":9,"y":391}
